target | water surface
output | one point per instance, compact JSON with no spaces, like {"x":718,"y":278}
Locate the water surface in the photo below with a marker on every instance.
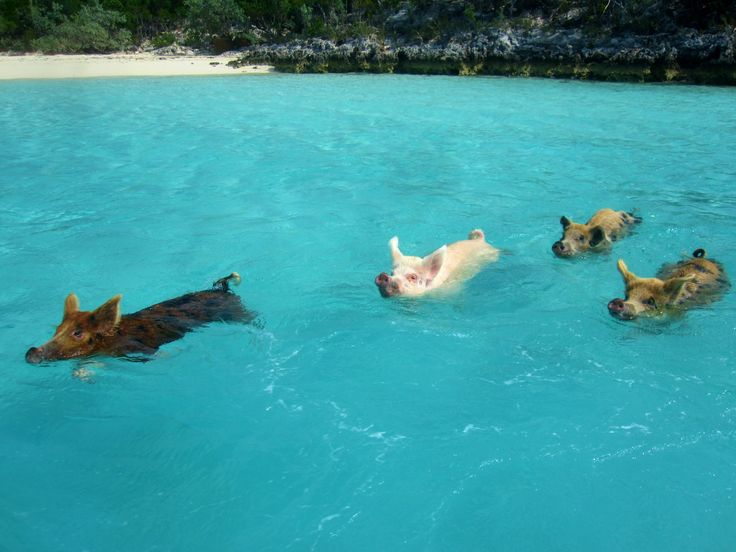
{"x":514,"y":413}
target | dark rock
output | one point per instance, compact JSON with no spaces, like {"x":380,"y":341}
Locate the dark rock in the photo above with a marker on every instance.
{"x":556,"y":52}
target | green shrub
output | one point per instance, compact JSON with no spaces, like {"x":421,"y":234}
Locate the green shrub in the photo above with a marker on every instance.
{"x":163,"y":39}
{"x":210,"y":19}
{"x":7,"y":27}
{"x":93,"y":29}
{"x":44,"y":22}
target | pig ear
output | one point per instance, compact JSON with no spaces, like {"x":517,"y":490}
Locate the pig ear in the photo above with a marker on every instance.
{"x":565,"y":222}
{"x":107,"y":317}
{"x":71,"y":305}
{"x":597,"y":235}
{"x":673,"y":286}
{"x":433,"y":263}
{"x":393,"y":245}
{"x":624,"y":270}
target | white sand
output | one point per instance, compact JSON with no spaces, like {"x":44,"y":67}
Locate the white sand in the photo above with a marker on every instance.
{"x":35,"y":66}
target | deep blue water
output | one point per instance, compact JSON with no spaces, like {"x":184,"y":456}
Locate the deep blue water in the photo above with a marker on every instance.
{"x":513,"y":414}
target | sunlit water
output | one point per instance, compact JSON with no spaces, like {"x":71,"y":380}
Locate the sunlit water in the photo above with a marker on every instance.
{"x":512,"y":414}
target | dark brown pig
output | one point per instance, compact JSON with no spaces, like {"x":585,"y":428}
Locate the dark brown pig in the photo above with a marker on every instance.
{"x":105,"y":331}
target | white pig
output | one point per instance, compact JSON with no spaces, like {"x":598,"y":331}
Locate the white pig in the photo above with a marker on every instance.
{"x":412,"y":276}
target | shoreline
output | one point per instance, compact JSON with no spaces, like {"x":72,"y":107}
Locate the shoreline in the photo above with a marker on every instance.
{"x":63,"y":66}
{"x":499,"y":67}
{"x":686,"y":56}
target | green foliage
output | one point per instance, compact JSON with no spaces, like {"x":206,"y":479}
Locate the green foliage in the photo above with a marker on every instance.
{"x":214,"y":21}
{"x":163,"y":39}
{"x":469,"y":13}
{"x":100,"y":25}
{"x":45,"y":21}
{"x":213,"y":16}
{"x":93,"y":29}
{"x":651,"y":16}
{"x":308,"y":23}
{"x":5,"y":25}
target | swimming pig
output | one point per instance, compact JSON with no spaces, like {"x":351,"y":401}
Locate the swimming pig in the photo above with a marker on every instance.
{"x":693,"y":281}
{"x":603,"y":228}
{"x":413,"y":276}
{"x":104,"y":331}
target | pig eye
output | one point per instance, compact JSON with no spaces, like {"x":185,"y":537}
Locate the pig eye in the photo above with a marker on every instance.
{"x":412,"y":277}
{"x":651,"y":302}
{"x":581,"y":238}
{"x":77,"y":334}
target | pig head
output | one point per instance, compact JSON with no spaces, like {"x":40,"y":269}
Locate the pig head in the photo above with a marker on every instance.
{"x":410,"y":275}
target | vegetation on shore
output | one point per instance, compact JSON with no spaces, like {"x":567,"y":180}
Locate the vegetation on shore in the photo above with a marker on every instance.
{"x":630,"y":40}
{"x":96,"y":26}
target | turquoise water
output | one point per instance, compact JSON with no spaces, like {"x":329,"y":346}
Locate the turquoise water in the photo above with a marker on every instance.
{"x":513,"y":414}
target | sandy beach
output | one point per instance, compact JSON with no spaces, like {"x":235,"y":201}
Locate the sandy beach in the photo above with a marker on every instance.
{"x":36,"y":66}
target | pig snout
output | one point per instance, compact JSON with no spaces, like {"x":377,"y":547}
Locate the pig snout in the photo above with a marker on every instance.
{"x":386,"y":286}
{"x":34,"y":355}
{"x":617,"y":308}
{"x":558,"y":248}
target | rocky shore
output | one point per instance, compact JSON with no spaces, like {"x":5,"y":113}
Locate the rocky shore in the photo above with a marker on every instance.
{"x":684,"y":56}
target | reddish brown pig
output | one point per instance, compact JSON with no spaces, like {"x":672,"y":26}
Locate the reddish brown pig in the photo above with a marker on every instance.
{"x":104,"y":331}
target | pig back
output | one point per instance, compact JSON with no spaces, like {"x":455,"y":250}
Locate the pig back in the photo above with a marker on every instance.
{"x":170,"y":320}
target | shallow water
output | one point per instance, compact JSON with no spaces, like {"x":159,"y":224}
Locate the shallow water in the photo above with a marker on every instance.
{"x":514,"y":413}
